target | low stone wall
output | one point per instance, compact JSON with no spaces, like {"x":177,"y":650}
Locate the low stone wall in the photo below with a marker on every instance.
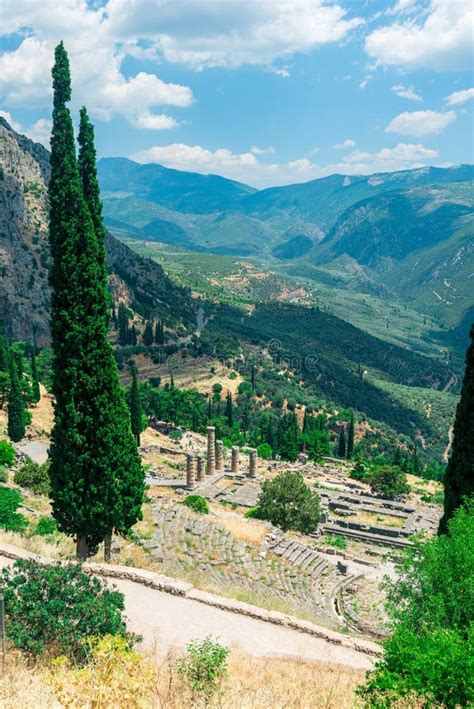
{"x":187,"y":590}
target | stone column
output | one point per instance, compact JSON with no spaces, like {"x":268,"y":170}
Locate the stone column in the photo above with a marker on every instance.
{"x":190,"y":471}
{"x":219,"y":456}
{"x":211,"y":450}
{"x":235,"y":459}
{"x":200,"y":468}
{"x":252,"y":463}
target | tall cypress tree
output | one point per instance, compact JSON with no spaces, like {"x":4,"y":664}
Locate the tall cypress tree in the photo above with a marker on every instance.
{"x":341,"y":446}
{"x":16,"y":403}
{"x":136,"y":410}
{"x":459,"y":477}
{"x":350,"y":437}
{"x":229,"y":409}
{"x":120,"y":457}
{"x":35,"y":387}
{"x":148,"y":334}
{"x":123,"y":325}
{"x":95,"y":470}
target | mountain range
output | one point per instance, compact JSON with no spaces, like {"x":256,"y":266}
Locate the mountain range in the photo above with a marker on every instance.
{"x":407,"y":234}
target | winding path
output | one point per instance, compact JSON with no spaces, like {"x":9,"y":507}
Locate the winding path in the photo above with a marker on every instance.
{"x":170,"y":616}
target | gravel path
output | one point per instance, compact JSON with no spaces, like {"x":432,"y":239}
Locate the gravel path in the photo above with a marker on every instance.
{"x":168,"y":621}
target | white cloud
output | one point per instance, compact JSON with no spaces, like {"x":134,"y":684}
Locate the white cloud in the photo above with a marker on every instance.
{"x":261,"y":151}
{"x":420,"y":122}
{"x":247,"y":168}
{"x":10,"y":120}
{"x":345,"y":145}
{"x":153,"y":121}
{"x":40,"y":132}
{"x":408,"y":92}
{"x":459,"y":97}
{"x":440,"y":38}
{"x":96,"y":58}
{"x":204,"y":33}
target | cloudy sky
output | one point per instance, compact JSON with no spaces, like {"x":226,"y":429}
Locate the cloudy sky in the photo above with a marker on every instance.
{"x":263,"y":91}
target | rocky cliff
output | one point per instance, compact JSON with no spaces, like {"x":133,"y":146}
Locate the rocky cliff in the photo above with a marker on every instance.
{"x":24,"y":251}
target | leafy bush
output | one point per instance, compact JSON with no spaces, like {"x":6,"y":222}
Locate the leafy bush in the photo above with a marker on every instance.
{"x":252,"y":513}
{"x":54,"y":608}
{"x":287,"y":502}
{"x":114,"y":676}
{"x":359,"y":472}
{"x":10,"y":519}
{"x":388,"y":481}
{"x":34,"y":477}
{"x":7,"y":453}
{"x":45,"y":526}
{"x":197,"y":503}
{"x":175,"y":435}
{"x":264,"y":451}
{"x":3,"y":475}
{"x":431,"y":607}
{"x":204,"y":666}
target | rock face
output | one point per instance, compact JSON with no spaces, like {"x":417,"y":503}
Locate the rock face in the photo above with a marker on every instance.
{"x":24,"y":251}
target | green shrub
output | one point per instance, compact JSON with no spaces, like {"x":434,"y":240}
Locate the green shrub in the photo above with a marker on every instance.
{"x":204,"y":667}
{"x":55,"y":608}
{"x":197,"y":503}
{"x":335,"y":540}
{"x":431,"y":606}
{"x":10,"y":519}
{"x":359,"y":472}
{"x":34,"y":477}
{"x":287,"y":502}
{"x":264,"y":451}
{"x":45,"y":526}
{"x":252,"y":513}
{"x":3,"y":475}
{"x":7,"y":453}
{"x":175,"y":435}
{"x":389,"y":481}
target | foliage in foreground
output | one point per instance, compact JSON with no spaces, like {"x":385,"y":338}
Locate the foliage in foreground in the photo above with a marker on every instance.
{"x":431,"y":606}
{"x":204,"y":666}
{"x":114,"y":676}
{"x":7,"y":453}
{"x":55,"y":608}
{"x":288,"y":503}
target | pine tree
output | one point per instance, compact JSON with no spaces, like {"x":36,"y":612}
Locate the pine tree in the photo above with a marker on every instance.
{"x":148,"y":334}
{"x":229,"y":410}
{"x":341,"y":446}
{"x":35,"y":387}
{"x":136,"y":410}
{"x":123,"y":325}
{"x":96,"y":474}
{"x":16,"y":403}
{"x":459,"y":477}
{"x":350,"y":437}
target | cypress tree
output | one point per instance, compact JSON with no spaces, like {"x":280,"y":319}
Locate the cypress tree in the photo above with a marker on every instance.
{"x":35,"y":387}
{"x":114,"y":318}
{"x":252,"y":378}
{"x":123,"y":325}
{"x":4,"y":369}
{"x":16,"y":403}
{"x":159,"y":333}
{"x":148,"y":334}
{"x":96,"y":475}
{"x":209,"y":408}
{"x":350,"y":437}
{"x":136,"y":410}
{"x":341,"y":446}
{"x":229,"y":409}
{"x":459,"y":477}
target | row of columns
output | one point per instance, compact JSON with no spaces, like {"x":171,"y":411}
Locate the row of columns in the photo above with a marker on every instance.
{"x":195,"y":465}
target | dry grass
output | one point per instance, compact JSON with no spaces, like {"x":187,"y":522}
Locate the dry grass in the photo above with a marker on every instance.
{"x":56,"y":546}
{"x":42,"y":415}
{"x":252,"y":683}
{"x":246,"y":530}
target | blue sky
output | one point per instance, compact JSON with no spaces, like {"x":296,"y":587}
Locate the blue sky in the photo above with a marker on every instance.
{"x":267,"y":92}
